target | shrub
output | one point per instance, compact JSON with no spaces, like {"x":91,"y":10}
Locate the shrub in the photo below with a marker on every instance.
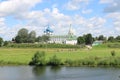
{"x":41,"y":45}
{"x":113,"y":53}
{"x":114,"y":45}
{"x":5,"y":43}
{"x":54,"y":61}
{"x":38,"y":59}
{"x":69,"y":62}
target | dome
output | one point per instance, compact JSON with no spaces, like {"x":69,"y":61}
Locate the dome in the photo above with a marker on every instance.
{"x":48,"y":30}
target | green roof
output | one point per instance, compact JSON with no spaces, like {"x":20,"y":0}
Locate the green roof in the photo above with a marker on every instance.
{"x":68,"y":37}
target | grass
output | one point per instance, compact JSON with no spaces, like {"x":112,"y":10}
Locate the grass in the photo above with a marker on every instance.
{"x":22,"y":56}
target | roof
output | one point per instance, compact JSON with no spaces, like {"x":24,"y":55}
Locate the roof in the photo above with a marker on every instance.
{"x":65,"y":36}
{"x":48,"y":29}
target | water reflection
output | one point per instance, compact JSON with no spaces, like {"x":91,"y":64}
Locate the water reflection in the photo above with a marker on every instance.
{"x":58,"y":73}
{"x":55,"y":69}
{"x":39,"y":70}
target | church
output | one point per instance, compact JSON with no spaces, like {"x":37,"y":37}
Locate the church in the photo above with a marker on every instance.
{"x":69,"y":38}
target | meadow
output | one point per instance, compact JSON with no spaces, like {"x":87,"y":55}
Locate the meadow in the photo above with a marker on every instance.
{"x":22,"y":56}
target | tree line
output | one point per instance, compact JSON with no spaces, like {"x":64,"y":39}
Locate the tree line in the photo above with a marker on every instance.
{"x":24,"y":36}
{"x":88,"y":39}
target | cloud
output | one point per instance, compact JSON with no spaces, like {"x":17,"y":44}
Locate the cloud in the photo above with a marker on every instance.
{"x":76,"y":4}
{"x":3,"y":27}
{"x":15,"y":7}
{"x":116,"y":20}
{"x":37,"y":20}
{"x":105,"y":1}
{"x":94,"y":25}
{"x":114,"y":6}
{"x":88,"y":11}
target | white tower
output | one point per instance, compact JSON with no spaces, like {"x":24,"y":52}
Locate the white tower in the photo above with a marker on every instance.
{"x":70,"y":32}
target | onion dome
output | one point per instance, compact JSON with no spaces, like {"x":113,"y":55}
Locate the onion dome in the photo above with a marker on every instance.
{"x":48,"y":30}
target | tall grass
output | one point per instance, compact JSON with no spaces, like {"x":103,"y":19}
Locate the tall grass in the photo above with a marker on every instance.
{"x":89,"y":61}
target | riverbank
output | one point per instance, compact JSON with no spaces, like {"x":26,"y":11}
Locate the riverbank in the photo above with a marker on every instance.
{"x":69,"y":57}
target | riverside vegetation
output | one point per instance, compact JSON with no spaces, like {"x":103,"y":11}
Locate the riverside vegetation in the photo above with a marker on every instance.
{"x":39,"y":60}
{"x":27,"y":48}
{"x":101,"y":55}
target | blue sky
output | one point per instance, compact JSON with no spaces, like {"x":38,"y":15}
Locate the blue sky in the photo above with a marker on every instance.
{"x":86,"y":16}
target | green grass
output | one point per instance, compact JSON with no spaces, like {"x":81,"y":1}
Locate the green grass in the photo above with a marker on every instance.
{"x":23,"y":55}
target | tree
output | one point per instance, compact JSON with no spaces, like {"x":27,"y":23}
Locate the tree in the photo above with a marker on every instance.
{"x":80,"y":40}
{"x":39,"y":39}
{"x":45,"y":38}
{"x":88,"y":39}
{"x":18,"y":39}
{"x":32,"y":37}
{"x":22,"y":36}
{"x":1,"y":42}
{"x":111,"y":39}
{"x":118,"y":38}
{"x":5,"y":43}
{"x":101,"y":37}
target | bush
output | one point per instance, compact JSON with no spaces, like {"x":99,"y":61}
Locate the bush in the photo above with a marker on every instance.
{"x":38,"y":59}
{"x":5,"y":43}
{"x":41,"y":45}
{"x":69,"y":62}
{"x":113,"y":53}
{"x":114,"y":45}
{"x":54,"y":61}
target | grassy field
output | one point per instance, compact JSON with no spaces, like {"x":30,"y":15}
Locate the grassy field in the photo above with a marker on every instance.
{"x":23,"y":56}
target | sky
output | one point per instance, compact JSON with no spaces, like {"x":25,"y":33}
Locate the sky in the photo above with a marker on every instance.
{"x":98,"y":17}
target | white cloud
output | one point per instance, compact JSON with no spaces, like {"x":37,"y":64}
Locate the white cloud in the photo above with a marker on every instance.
{"x":116,"y":20}
{"x":62,"y":22}
{"x":88,"y":11}
{"x":12,"y":7}
{"x":106,"y":1}
{"x":76,"y":4}
{"x":3,"y":27}
{"x":114,"y":6}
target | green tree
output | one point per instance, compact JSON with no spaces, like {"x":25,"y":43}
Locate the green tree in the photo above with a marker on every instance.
{"x":32,"y":37}
{"x":45,"y":38}
{"x":111,"y":39}
{"x":118,"y":38}
{"x":101,"y":37}
{"x":88,"y":39}
{"x":39,"y":39}
{"x":5,"y":43}
{"x":22,"y":36}
{"x":80,"y":40}
{"x":1,"y":42}
{"x":18,"y":39}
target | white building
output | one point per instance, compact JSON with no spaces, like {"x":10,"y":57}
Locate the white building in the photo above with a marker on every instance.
{"x":70,"y":38}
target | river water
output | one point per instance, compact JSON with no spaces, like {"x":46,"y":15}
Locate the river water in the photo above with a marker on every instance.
{"x":58,"y":73}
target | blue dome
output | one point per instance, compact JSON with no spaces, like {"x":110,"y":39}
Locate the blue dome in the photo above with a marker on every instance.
{"x":48,"y":30}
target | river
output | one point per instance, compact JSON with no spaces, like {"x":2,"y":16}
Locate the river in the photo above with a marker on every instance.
{"x":58,"y":73}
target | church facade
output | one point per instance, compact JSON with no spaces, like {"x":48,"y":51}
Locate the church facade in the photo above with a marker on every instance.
{"x":69,"y":38}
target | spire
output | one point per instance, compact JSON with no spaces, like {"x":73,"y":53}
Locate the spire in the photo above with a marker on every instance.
{"x":70,"y":32}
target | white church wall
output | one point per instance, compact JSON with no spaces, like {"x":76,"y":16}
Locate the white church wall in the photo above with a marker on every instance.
{"x":73,"y":42}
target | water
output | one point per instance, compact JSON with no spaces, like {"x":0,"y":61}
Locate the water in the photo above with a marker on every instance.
{"x":58,"y":73}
